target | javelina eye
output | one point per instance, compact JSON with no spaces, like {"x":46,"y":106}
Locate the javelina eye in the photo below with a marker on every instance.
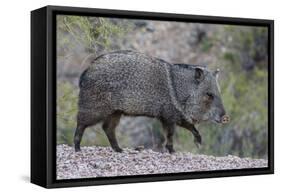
{"x":209,"y":96}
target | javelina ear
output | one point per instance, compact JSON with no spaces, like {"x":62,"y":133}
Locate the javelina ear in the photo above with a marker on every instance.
{"x":199,"y":74}
{"x":216,"y":73}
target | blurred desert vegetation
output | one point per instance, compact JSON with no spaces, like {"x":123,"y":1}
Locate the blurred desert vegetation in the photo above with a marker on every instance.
{"x":240,"y":52}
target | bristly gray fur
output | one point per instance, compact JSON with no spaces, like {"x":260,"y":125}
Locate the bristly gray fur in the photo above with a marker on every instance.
{"x":132,"y":83}
{"x":173,"y":95}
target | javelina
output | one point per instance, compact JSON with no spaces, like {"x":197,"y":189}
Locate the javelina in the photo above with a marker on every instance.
{"x":132,"y":83}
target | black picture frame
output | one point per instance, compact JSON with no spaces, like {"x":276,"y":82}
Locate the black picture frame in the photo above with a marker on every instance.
{"x":43,"y":95}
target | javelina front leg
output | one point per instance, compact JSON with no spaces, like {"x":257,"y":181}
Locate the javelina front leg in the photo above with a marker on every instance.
{"x":78,"y":136}
{"x":109,"y":126}
{"x":197,"y":136}
{"x":169,"y":129}
{"x":194,"y":131}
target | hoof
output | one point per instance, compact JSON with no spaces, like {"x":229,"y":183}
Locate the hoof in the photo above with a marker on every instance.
{"x":118,"y":150}
{"x":77,"y":148}
{"x":170,"y":149}
{"x":198,"y":145}
{"x":139,"y":148}
{"x":198,"y":141}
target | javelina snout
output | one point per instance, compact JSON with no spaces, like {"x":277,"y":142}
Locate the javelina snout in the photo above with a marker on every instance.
{"x":132,"y":83}
{"x":225,"y":119}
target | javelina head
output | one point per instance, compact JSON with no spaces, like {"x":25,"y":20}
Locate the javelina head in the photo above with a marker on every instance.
{"x":207,"y":103}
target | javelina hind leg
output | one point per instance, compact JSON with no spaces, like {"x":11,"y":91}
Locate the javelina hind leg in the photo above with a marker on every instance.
{"x":109,"y":126}
{"x":78,"y":136}
{"x":169,"y":129}
{"x":81,"y":126}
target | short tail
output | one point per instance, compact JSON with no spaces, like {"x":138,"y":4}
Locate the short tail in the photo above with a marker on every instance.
{"x":82,"y":78}
{"x":83,"y":75}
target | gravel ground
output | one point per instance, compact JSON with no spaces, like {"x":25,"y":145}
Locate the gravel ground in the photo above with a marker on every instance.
{"x":102,"y":162}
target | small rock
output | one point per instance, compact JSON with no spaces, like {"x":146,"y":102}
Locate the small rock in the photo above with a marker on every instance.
{"x":99,"y":161}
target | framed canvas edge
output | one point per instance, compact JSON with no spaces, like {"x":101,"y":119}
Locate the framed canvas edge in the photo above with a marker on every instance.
{"x":38,"y":95}
{"x":51,"y":181}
